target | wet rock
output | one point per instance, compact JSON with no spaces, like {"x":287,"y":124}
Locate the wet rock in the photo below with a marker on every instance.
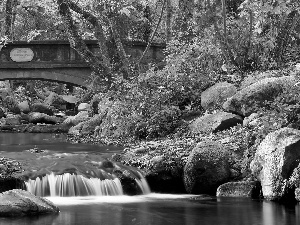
{"x":42,"y":108}
{"x":274,"y":162}
{"x":22,"y":203}
{"x":128,"y":181}
{"x":24,"y":107}
{"x":60,"y":115}
{"x":75,"y":120}
{"x":217,"y":94}
{"x":36,"y":117}
{"x":247,"y":100}
{"x":251,"y":120}
{"x":294,"y":182}
{"x":207,"y":167}
{"x":70,"y":99}
{"x":84,"y":107}
{"x":212,"y":123}
{"x":57,"y":128}
{"x":11,"y":120}
{"x":250,"y":189}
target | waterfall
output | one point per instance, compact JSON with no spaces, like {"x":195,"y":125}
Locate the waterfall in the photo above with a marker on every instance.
{"x":77,"y":185}
{"x":73,"y":185}
{"x":143,"y":185}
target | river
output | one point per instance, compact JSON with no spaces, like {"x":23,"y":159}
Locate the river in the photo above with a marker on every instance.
{"x":151,"y":209}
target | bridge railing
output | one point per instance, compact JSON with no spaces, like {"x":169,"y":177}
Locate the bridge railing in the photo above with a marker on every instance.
{"x":56,"y":54}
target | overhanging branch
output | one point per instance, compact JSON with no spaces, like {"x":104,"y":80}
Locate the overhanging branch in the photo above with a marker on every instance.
{"x":96,"y":63}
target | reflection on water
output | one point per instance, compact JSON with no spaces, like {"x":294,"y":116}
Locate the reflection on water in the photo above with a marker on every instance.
{"x":17,"y":142}
{"x":156,"y":209}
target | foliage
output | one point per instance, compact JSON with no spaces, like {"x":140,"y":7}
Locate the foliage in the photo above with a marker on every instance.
{"x":274,"y":28}
{"x":158,"y":95}
{"x":9,"y":167}
{"x":167,"y":155}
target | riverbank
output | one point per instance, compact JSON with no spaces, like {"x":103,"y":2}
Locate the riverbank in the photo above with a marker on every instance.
{"x":237,"y":138}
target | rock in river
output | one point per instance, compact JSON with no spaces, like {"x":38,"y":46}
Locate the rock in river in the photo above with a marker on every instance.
{"x":207,"y":168}
{"x":275,"y":160}
{"x":22,"y":203}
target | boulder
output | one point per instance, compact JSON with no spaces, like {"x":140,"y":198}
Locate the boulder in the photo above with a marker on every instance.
{"x":61,"y":115}
{"x":217,"y":94}
{"x":74,"y":120}
{"x":24,"y":107}
{"x":42,"y":108}
{"x":128,"y":181}
{"x":69,"y":98}
{"x":207,"y":167}
{"x":17,"y":202}
{"x":294,"y":182}
{"x":274,"y":162}
{"x":58,"y":128}
{"x":254,"y":77}
{"x":84,"y":107}
{"x":251,"y":120}
{"x":36,"y":117}
{"x":212,"y":123}
{"x":12,"y":120}
{"x":249,"y":189}
{"x":161,"y":177}
{"x":246,"y":101}
{"x":75,"y":130}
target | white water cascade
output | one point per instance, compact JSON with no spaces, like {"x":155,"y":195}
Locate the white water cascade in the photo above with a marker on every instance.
{"x":73,"y":185}
{"x":77,"y":185}
{"x":143,"y":185}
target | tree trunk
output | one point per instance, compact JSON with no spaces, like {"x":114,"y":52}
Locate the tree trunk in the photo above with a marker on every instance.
{"x":121,"y":51}
{"x":147,"y":25}
{"x":9,"y":18}
{"x":99,"y":32}
{"x":97,"y":63}
{"x":169,"y":21}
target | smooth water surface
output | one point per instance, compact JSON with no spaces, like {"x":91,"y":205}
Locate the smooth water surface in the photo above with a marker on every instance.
{"x":157,"y":209}
{"x":17,"y":142}
{"x":153,"y":209}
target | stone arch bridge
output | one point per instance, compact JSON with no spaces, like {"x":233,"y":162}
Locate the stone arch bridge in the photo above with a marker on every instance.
{"x":57,"y":61}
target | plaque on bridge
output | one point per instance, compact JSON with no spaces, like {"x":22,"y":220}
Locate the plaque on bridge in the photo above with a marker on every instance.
{"x":21,"y":55}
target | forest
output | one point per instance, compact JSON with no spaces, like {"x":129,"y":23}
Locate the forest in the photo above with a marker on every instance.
{"x":156,"y":110}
